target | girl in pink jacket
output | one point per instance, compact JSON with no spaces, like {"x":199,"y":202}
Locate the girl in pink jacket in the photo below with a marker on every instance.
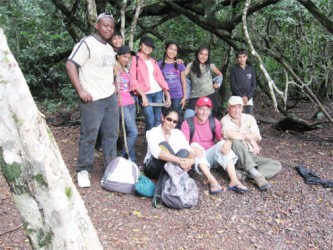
{"x":148,"y":82}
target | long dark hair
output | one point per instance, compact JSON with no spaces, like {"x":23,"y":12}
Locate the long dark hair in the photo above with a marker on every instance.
{"x":196,"y":64}
{"x":166,"y":47}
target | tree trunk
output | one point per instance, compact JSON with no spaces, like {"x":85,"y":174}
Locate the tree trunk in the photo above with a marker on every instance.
{"x":270,"y":81}
{"x":133,"y":24}
{"x":123,"y":18}
{"x":92,"y":13}
{"x":52,"y":210}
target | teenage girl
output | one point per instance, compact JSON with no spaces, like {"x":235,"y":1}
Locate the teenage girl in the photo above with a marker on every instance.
{"x":116,"y":40}
{"x":200,"y":72}
{"x":148,"y":82}
{"x":125,"y":99}
{"x":174,"y":74}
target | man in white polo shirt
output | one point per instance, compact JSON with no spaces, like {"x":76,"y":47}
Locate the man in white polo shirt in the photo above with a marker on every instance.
{"x":90,"y":69}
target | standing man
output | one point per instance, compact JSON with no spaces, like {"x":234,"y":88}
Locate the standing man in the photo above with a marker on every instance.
{"x":243,"y":130}
{"x":202,"y":130}
{"x":90,"y":69}
{"x":243,"y":81}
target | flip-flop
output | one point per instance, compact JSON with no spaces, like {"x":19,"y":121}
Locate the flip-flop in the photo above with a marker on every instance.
{"x":237,"y":189}
{"x":219,"y":189}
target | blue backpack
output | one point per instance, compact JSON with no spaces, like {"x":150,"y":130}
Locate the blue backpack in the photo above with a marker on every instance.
{"x":144,"y":187}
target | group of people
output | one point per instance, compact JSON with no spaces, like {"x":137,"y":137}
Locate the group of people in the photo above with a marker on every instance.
{"x":109,"y":77}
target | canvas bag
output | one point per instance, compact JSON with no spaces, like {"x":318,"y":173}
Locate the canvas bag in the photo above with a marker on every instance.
{"x":179,"y":190}
{"x":120,"y":176}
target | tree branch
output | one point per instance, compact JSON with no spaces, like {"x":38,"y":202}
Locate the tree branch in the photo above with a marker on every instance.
{"x":134,"y":21}
{"x":271,"y":83}
{"x":11,"y":230}
{"x":318,"y":14}
{"x":70,"y":16}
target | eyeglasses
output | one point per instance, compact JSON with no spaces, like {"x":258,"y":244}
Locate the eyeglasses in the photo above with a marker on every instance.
{"x":170,"y":120}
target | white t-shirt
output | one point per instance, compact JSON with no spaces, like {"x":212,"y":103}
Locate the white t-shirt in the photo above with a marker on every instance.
{"x":154,"y":86}
{"x":96,"y":61}
{"x":155,"y":136}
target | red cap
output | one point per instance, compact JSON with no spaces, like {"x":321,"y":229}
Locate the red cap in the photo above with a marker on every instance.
{"x":204,"y":101}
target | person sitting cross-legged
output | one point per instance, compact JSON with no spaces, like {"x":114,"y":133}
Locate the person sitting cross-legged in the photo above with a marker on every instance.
{"x":243,"y":130}
{"x":168,"y":144}
{"x":201,"y":131}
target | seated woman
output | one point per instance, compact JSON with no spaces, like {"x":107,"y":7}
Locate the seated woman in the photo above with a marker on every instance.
{"x":168,"y":144}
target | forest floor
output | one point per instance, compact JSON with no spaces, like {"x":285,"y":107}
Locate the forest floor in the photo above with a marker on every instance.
{"x":290,"y":215}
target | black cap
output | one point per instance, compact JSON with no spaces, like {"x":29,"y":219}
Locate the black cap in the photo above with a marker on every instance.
{"x":147,"y":41}
{"x":124,"y":50}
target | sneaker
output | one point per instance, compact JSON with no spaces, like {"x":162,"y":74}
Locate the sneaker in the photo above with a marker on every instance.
{"x":241,"y":175}
{"x":261,"y":182}
{"x":83,"y":179}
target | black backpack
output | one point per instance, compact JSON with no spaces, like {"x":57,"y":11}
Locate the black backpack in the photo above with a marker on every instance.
{"x":190,"y":123}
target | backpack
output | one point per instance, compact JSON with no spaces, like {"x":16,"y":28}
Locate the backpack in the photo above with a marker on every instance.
{"x":144,"y":187}
{"x":179,"y":190}
{"x":190,"y":123}
{"x":120,"y":176}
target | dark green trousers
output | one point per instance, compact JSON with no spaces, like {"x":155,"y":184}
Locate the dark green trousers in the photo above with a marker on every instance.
{"x":247,"y":160}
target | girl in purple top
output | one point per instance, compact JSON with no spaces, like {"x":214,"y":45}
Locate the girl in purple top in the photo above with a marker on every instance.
{"x":174,"y":74}
{"x":125,"y":100}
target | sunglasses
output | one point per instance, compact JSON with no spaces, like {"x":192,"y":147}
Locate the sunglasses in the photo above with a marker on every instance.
{"x":170,"y":120}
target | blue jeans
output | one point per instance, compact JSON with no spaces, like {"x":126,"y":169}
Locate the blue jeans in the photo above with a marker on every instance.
{"x":101,"y":114}
{"x":153,"y":114}
{"x":175,"y":103}
{"x":131,"y":130}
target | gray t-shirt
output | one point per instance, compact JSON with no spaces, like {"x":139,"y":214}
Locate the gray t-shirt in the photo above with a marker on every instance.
{"x":202,"y":86}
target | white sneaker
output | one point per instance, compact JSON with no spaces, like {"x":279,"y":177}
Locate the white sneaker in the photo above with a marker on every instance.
{"x":83,"y":179}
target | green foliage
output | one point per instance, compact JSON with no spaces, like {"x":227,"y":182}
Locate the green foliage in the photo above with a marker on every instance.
{"x":35,"y":34}
{"x":69,"y":96}
{"x":290,"y":30}
{"x":51,"y":106}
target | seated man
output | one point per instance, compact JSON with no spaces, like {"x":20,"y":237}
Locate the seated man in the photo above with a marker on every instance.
{"x":201,"y":130}
{"x":243,"y":130}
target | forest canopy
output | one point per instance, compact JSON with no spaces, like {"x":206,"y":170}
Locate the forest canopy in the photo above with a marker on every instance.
{"x":293,"y":38}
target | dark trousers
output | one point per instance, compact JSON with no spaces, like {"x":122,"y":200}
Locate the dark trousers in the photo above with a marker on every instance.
{"x":154,"y":168}
{"x":98,"y":115}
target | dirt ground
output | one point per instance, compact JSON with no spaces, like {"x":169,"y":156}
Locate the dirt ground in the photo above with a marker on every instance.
{"x":291,"y":215}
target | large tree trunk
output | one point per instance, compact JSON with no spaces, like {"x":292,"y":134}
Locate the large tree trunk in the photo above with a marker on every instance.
{"x":53,"y":212}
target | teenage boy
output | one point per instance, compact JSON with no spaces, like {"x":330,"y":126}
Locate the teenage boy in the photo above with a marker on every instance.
{"x":90,"y":69}
{"x":243,"y":81}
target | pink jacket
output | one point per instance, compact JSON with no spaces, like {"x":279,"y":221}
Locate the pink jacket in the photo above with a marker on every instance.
{"x":139,"y":75}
